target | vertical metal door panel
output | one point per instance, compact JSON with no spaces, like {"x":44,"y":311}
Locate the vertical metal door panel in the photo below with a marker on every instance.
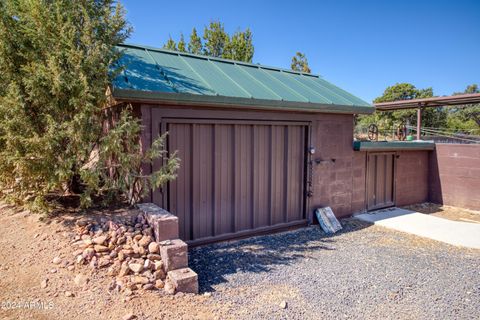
{"x":236,"y":176}
{"x":261,"y":175}
{"x":389,"y":174}
{"x":278,"y":164}
{"x":180,"y":139}
{"x":371,"y":181}
{"x":202,"y":180}
{"x":296,"y":155}
{"x":243,"y":178}
{"x":380,"y":180}
{"x":223,"y":200}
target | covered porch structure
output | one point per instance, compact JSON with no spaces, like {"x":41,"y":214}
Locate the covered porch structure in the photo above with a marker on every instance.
{"x":434,"y":102}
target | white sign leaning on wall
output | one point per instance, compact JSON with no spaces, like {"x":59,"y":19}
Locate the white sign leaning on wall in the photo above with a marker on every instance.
{"x":328,"y":221}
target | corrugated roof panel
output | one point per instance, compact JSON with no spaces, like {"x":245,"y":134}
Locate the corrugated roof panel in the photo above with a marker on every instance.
{"x":343,"y":93}
{"x":327,"y":93}
{"x":220,"y":82}
{"x":243,"y":79}
{"x":120,"y":81}
{"x":180,"y":74}
{"x":274,"y":85}
{"x":288,"y":79}
{"x":151,"y":73}
{"x":142,"y":73}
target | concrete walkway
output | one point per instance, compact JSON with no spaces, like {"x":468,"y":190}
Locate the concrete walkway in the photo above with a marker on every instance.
{"x":457,"y":233}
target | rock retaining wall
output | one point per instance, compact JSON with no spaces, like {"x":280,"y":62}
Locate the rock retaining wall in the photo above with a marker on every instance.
{"x":141,"y":251}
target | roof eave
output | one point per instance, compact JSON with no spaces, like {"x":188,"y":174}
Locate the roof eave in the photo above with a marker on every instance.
{"x":125,"y":95}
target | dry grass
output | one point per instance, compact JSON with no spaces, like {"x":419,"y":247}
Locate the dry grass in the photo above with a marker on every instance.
{"x":446,"y":212}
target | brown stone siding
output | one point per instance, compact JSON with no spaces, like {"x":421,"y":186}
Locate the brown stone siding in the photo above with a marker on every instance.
{"x":411,"y":184}
{"x":455,"y":175}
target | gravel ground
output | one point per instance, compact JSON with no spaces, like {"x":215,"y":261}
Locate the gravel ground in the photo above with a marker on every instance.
{"x":363,"y":272}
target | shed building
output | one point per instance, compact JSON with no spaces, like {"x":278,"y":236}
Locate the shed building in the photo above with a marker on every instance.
{"x":260,"y":147}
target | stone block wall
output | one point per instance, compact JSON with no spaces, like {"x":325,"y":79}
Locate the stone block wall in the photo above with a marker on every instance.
{"x":173,"y":251}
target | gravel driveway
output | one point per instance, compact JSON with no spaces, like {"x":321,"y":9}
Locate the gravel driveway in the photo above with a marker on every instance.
{"x":363,"y":272}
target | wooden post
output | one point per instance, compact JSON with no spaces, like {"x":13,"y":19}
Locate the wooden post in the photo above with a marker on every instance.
{"x":419,"y":122}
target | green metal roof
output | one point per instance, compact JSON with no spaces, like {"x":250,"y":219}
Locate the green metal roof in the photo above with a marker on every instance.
{"x":392,"y":145}
{"x":152,"y":74}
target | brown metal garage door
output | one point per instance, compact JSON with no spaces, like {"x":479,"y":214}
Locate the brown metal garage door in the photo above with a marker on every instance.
{"x":236,"y":178}
{"x":380,"y":180}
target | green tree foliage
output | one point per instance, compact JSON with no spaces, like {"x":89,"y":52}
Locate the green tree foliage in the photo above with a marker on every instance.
{"x":182,"y":46}
{"x":215,"y":38}
{"x":218,"y":43}
{"x":473,"y":88}
{"x":431,"y":117}
{"x":116,"y":164}
{"x":240,"y":47}
{"x":171,"y":44}
{"x":56,"y":59}
{"x":465,"y":118}
{"x":403,"y":91}
{"x":195,"y":45}
{"x":300,"y":63}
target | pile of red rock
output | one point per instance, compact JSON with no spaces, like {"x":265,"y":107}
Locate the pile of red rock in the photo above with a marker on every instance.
{"x":129,"y":251}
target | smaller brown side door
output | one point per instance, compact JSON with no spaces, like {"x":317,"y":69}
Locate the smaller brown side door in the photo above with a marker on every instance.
{"x":380,"y":180}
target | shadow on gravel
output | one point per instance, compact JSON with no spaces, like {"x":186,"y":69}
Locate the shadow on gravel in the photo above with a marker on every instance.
{"x":261,"y":254}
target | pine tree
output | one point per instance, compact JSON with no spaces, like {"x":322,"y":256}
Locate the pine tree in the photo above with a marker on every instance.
{"x":300,"y":63}
{"x":217,"y":43}
{"x":181,"y":44}
{"x":171,"y":44}
{"x":240,"y":47}
{"x":195,"y":45}
{"x":57,"y":59}
{"x":215,"y":38}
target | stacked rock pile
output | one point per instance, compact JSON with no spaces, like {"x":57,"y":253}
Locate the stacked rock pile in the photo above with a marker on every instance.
{"x":126,"y":249}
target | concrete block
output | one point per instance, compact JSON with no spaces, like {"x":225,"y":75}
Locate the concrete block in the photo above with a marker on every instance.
{"x":184,"y":280}
{"x":359,"y":173}
{"x":174,"y":255}
{"x":163,"y":223}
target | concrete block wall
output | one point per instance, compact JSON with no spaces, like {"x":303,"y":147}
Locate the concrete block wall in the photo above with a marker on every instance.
{"x":455,"y":175}
{"x":411,"y":184}
{"x":358,"y":182}
{"x":339,"y":177}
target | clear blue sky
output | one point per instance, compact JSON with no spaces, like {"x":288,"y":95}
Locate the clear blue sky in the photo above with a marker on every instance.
{"x":361,"y":46}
